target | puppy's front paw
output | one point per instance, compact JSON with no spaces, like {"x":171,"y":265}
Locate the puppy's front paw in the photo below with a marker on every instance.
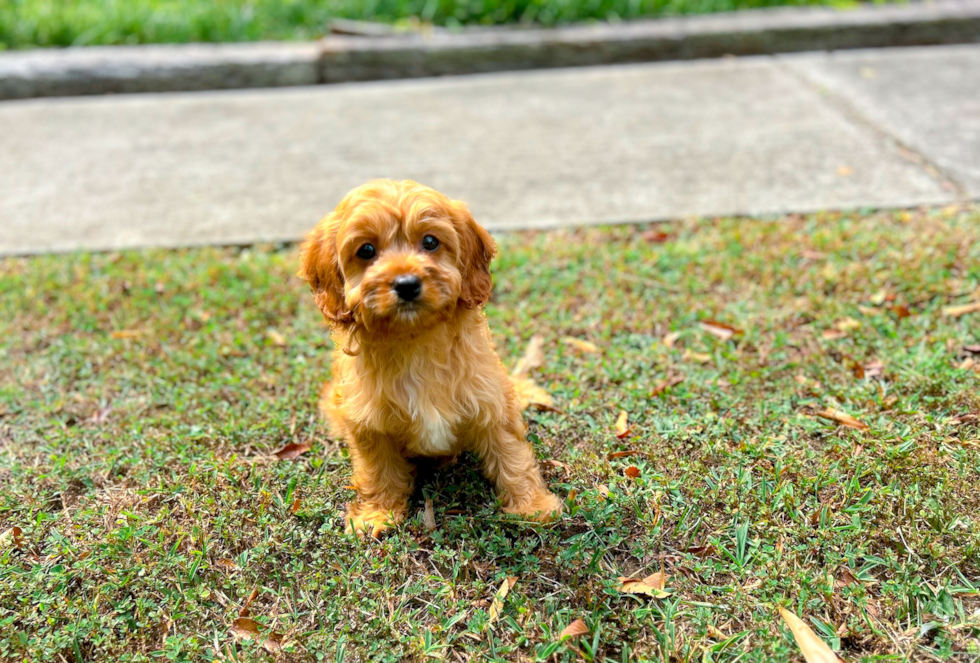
{"x":543,"y":507}
{"x":369,"y":521}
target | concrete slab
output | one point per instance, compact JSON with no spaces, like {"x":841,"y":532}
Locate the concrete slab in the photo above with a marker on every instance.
{"x":536,"y":149}
{"x":928,"y":98}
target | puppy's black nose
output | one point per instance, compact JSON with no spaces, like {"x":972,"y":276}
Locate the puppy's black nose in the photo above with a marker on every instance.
{"x":408,"y":287}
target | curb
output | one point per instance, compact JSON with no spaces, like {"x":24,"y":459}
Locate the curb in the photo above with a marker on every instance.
{"x":346,"y":58}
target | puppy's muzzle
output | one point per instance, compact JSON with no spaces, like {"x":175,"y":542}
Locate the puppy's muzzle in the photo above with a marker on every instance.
{"x":408,"y":287}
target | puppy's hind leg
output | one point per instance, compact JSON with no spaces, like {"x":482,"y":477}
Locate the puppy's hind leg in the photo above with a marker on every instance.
{"x":508,"y":460}
{"x":383,"y":479}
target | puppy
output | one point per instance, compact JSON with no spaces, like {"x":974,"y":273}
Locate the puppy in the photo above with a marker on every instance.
{"x":401,"y":274}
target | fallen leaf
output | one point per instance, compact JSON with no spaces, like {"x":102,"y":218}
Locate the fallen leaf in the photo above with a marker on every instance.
{"x":845,"y":578}
{"x":531,"y":395}
{"x":429,"y":516}
{"x":814,"y":649}
{"x":622,"y":425}
{"x":574,"y":630}
{"x":664,"y":385}
{"x":715,"y":633}
{"x":846,"y":324}
{"x":603,"y":490}
{"x":100,"y":416}
{"x":11,"y":537}
{"x":957,"y":311}
{"x":226,"y":564}
{"x":720,"y":329}
{"x":275,"y":337}
{"x":975,"y":349}
{"x":654,"y":236}
{"x":873,"y":369}
{"x":833,"y":334}
{"x":652,"y":585}
{"x":127,"y":333}
{"x":632,"y":472}
{"x":533,"y":357}
{"x":295,"y":507}
{"x":580,"y":345}
{"x":624,"y":454}
{"x":244,"y":628}
{"x":869,"y":311}
{"x":699,"y":357}
{"x":842,"y":418}
{"x":498,"y":600}
{"x":273,"y":644}
{"x":292,"y":450}
{"x":670,"y":339}
{"x":965,"y":418}
{"x":702,"y":551}
{"x":810,"y":254}
{"x":966,"y":364}
{"x":558,"y":463}
{"x":248,"y":603}
{"x":901,"y":311}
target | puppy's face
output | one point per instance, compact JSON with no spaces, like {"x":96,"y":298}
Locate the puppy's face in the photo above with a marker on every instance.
{"x":397,"y":257}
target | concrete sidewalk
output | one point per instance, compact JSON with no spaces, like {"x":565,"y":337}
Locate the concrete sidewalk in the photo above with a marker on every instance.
{"x":764,"y":135}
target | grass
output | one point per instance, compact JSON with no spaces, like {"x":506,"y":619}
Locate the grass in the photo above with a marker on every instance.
{"x":29,"y":23}
{"x":142,"y":395}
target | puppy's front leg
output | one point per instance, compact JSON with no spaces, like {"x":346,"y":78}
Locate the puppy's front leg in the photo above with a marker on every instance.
{"x":508,"y":461}
{"x":383,"y":480}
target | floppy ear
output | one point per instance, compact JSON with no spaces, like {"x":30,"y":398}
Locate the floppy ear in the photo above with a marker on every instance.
{"x":477,"y":249}
{"x":321,"y":269}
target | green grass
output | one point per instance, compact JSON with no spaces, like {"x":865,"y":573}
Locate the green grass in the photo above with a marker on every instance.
{"x":29,"y":23}
{"x":147,"y":526}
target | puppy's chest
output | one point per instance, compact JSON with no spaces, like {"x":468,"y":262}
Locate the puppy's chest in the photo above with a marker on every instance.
{"x":421,"y":411}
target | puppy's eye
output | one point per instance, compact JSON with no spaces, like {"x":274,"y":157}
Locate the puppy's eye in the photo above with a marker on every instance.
{"x":430,"y":243}
{"x":366,"y":252}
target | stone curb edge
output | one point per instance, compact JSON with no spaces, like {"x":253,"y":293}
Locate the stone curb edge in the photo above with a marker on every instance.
{"x":343,"y":58}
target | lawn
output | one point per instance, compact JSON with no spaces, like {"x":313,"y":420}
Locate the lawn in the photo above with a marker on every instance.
{"x":143,"y":395}
{"x":29,"y":23}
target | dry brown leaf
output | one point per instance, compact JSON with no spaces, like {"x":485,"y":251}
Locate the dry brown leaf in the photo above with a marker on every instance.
{"x":810,"y":254}
{"x":498,"y":600}
{"x":654,"y":236}
{"x":603,"y":490}
{"x":965,"y":418}
{"x":100,"y":416}
{"x":226,"y":564}
{"x":295,"y":507}
{"x":873,"y":369}
{"x":869,"y":311}
{"x":275,"y":337}
{"x":558,"y":463}
{"x":248,"y":603}
{"x":273,"y":644}
{"x":531,"y":395}
{"x":664,"y":385}
{"x":652,"y":585}
{"x":842,"y":418}
{"x":833,"y":334}
{"x":975,"y":349}
{"x":702,"y":551}
{"x":580,"y":345}
{"x":624,"y":454}
{"x":845,"y":578}
{"x":846,"y":324}
{"x":622,"y":425}
{"x":533,"y":357}
{"x":244,"y":628}
{"x":574,"y":630}
{"x":632,"y":472}
{"x":901,"y":311}
{"x":957,"y":311}
{"x":814,"y":649}
{"x":292,"y":450}
{"x":699,"y":357}
{"x":967,"y":364}
{"x":670,"y":339}
{"x":11,"y":537}
{"x":127,"y":333}
{"x":429,"y":516}
{"x":720,"y":329}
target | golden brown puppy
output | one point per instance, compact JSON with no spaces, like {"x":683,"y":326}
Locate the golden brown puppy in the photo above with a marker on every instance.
{"x":401,"y":273}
